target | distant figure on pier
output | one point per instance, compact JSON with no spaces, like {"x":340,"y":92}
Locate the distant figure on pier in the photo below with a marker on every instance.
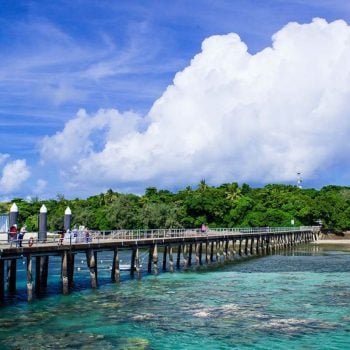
{"x":60,"y":240}
{"x":21,"y":235}
{"x":13,"y":234}
{"x":86,"y":235}
{"x":204,"y":228}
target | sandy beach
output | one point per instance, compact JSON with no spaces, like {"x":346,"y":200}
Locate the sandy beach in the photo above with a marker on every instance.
{"x":333,"y":241}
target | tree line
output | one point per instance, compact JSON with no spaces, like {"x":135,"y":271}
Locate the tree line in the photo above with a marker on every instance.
{"x":227,"y":205}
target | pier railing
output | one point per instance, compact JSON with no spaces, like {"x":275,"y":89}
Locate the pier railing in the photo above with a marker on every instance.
{"x":95,"y":236}
{"x":179,"y":233}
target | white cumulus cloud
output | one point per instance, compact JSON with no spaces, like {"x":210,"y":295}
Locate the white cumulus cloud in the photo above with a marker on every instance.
{"x":228,"y":116}
{"x":13,"y":175}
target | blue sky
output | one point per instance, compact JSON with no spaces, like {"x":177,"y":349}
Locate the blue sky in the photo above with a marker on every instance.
{"x":58,"y":57}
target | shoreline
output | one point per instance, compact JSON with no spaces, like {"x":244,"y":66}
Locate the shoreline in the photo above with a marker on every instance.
{"x":332,"y":241}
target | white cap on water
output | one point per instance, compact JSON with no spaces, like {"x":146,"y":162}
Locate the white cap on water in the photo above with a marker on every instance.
{"x":14,"y":208}
{"x":43,"y":209}
{"x":67,"y":211}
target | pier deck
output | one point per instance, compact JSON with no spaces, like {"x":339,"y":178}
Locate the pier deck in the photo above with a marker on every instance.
{"x":215,"y":245}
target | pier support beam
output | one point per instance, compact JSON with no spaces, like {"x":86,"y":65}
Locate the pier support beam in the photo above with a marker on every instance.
{"x":171,"y":259}
{"x":44,"y":270}
{"x":150,"y":256}
{"x":246,"y":246}
{"x":29,"y":278}
{"x":115,"y":273}
{"x":133,"y":262}
{"x":207,"y":252}
{"x":12,"y":275}
{"x":233,"y":248}
{"x":137,"y":264}
{"x":240,"y":247}
{"x":252,"y":245}
{"x":211,"y":252}
{"x":190,"y":255}
{"x":268,"y":246}
{"x":155,"y":259}
{"x":165,"y":252}
{"x":41,"y":273}
{"x":200,"y":252}
{"x":218,"y":257}
{"x":178,"y":257}
{"x":91,"y":259}
{"x":64,"y":273}
{"x":197,"y":254}
{"x":185,"y":256}
{"x":226,"y":250}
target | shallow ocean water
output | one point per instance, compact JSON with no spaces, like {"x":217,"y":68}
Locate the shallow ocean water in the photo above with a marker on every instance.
{"x":295,"y":300}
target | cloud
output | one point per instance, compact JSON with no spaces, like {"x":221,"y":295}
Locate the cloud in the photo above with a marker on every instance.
{"x":41,"y":186}
{"x":228,"y":116}
{"x":3,"y":157}
{"x":13,"y":175}
{"x":85,"y":135}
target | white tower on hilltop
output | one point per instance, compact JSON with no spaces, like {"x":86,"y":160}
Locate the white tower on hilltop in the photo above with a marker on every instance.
{"x":299,"y":180}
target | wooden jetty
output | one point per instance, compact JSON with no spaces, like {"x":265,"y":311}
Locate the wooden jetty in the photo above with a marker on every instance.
{"x":177,"y":249}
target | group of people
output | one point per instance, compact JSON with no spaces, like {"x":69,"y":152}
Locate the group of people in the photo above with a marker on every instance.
{"x":76,"y":235}
{"x":16,"y":236}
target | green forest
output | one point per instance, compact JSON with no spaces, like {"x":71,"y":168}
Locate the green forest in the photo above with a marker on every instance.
{"x":228,"y":205}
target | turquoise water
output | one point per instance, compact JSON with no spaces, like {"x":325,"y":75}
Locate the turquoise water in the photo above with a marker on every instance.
{"x":299,"y":300}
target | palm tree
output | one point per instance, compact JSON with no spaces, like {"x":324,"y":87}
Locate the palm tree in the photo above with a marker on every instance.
{"x":202,"y":186}
{"x":233,"y":192}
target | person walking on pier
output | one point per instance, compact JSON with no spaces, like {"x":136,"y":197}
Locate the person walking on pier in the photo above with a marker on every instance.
{"x":13,"y":234}
{"x":21,"y":235}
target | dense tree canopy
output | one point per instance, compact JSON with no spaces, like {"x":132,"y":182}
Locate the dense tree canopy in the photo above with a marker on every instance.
{"x":228,"y":205}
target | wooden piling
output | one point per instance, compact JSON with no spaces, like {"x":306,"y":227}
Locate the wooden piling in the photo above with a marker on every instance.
{"x":233,"y":248}
{"x":226,"y":250}
{"x":165,"y":252}
{"x":155,"y":259}
{"x":150,"y":257}
{"x":262,"y":241}
{"x":200,"y":251}
{"x":29,"y":278}
{"x":171,"y":261}
{"x":240,"y":247}
{"x":197,"y":254}
{"x":115,"y":273}
{"x":190,"y":255}
{"x":211,"y":252}
{"x":246,"y":246}
{"x":133,"y":262}
{"x":137,"y":264}
{"x":44,"y":271}
{"x":207,"y":252}
{"x":178,"y":256}
{"x":64,"y":273}
{"x":252,"y":245}
{"x":12,"y":275}
{"x":257,"y":245}
{"x":218,"y":256}
{"x":91,"y":259}
{"x":185,"y":256}
{"x":268,"y":247}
